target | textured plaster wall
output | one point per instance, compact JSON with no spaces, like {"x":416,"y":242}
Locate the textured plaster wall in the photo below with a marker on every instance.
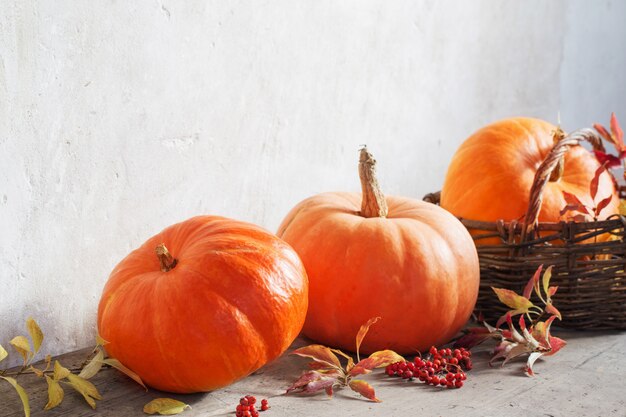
{"x":119,"y":118}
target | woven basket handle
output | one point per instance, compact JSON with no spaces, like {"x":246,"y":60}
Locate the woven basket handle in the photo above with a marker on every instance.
{"x":545,"y":170}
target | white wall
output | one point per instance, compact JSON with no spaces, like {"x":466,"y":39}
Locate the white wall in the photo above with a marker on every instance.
{"x":119,"y":118}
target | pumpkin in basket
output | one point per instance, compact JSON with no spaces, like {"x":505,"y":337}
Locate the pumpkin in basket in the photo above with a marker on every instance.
{"x":367,"y":255}
{"x":491,"y":174}
{"x":203,"y":303}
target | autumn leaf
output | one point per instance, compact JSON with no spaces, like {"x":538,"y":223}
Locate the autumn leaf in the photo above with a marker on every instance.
{"x":363,"y":388}
{"x":60,"y":372}
{"x":378,"y":359}
{"x":606,"y":159}
{"x":314,"y":381}
{"x":55,"y":393}
{"x":361,"y":334}
{"x":349,"y":358}
{"x":593,"y":186}
{"x":3,"y":353}
{"x":547,"y":276}
{"x":123,"y":369}
{"x":21,"y":393}
{"x":100,"y":341}
{"x":474,"y":337}
{"x":617,"y":134}
{"x":532,"y":282}
{"x":319,"y":353}
{"x":165,"y":407}
{"x":551,"y":309}
{"x":93,"y":366}
{"x":513,"y":300}
{"x":35,"y":333}
{"x":573,"y":201}
{"x":603,"y":132}
{"x":556,"y":344}
{"x":602,"y":205}
{"x":85,"y":388}
{"x":22,"y":346}
{"x":531,"y":361}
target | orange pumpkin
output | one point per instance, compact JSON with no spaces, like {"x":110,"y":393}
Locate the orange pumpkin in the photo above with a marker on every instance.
{"x":407,"y":261}
{"x":217,"y":300}
{"x":491,"y":174}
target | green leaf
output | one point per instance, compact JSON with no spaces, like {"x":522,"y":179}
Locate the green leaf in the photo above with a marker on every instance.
{"x":513,"y":300}
{"x":93,"y":366}
{"x":85,"y":388}
{"x":118,"y":365}
{"x":22,"y":346}
{"x":21,"y":393}
{"x":320,"y":354}
{"x":361,"y":334}
{"x":3,"y":353}
{"x":364,"y":389}
{"x":165,"y":407}
{"x":55,"y":393}
{"x":60,"y":372}
{"x":35,"y":333}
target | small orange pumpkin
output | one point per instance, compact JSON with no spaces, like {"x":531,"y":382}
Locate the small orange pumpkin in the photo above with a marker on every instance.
{"x":491,"y":174}
{"x":407,"y":261}
{"x":226,"y":298}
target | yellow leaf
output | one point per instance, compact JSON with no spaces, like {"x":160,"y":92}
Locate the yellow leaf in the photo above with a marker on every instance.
{"x":118,"y":365}
{"x":622,"y":207}
{"x":21,"y":393}
{"x":48,"y":361}
{"x":60,"y":372}
{"x":55,"y":393}
{"x":93,"y":366}
{"x":35,"y":333}
{"x":100,"y":341}
{"x":21,"y":344}
{"x":85,"y":388}
{"x":3,"y":353}
{"x":165,"y":407}
{"x":36,"y":371}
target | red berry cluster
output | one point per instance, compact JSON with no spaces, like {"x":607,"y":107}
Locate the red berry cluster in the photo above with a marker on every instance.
{"x":445,"y":368}
{"x":246,"y":407}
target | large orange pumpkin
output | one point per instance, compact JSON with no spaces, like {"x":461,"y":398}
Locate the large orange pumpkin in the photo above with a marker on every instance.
{"x":491,"y":174}
{"x":409,"y":262}
{"x":217,"y":300}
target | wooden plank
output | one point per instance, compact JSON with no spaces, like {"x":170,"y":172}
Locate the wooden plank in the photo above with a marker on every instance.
{"x":585,"y":379}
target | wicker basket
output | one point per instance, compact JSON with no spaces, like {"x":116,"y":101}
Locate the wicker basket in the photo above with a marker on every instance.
{"x":591,"y":275}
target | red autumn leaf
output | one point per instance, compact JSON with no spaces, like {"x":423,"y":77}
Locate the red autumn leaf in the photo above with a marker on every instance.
{"x":375,"y":360}
{"x":602,"y":205}
{"x":313,"y":381}
{"x":329,"y":391}
{"x":573,"y":201}
{"x":317,"y":365}
{"x":362,"y":332}
{"x":304,"y":379}
{"x":532,"y":282}
{"x":552,"y":290}
{"x":617,"y":133}
{"x":320,"y":354}
{"x":603,"y":132}
{"x":593,"y":187}
{"x":606,"y":159}
{"x":522,"y":323}
{"x":364,"y":389}
{"x":551,"y":309}
{"x":556,"y":344}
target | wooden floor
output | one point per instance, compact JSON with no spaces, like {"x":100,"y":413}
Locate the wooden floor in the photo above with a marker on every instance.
{"x":587,"y":378}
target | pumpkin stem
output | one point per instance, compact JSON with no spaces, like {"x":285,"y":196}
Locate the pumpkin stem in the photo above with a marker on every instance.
{"x":167,"y":261}
{"x":557,"y":172}
{"x":373,"y":203}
